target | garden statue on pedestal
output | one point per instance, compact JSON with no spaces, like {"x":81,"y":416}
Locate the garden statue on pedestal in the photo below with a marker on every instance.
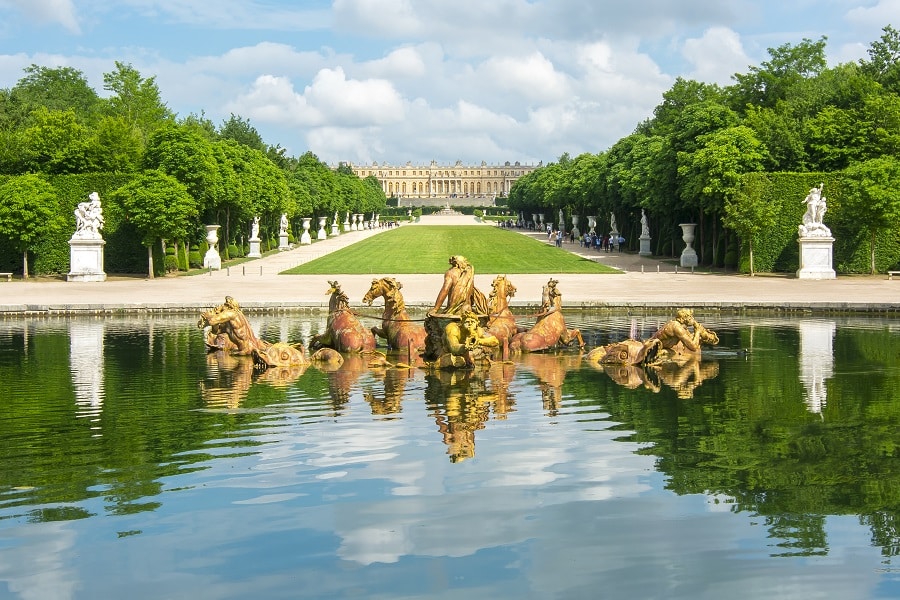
{"x":816,"y":207}
{"x":254,"y":239}
{"x":86,"y":256}
{"x":816,"y":243}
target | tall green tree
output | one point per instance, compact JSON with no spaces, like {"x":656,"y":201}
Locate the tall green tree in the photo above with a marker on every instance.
{"x":160,"y":207}
{"x":884,"y":60}
{"x":53,"y":88}
{"x":136,"y":99}
{"x":182,"y":152}
{"x":872,"y":197}
{"x":28,"y":213}
{"x":787,"y":66}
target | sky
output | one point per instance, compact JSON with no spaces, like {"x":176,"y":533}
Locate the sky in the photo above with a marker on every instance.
{"x":413,"y":81}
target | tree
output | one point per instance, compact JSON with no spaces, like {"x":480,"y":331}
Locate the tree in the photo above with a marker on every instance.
{"x":242,"y":132}
{"x":872,"y":197}
{"x":160,"y":207}
{"x":772,"y":80}
{"x":55,"y":142}
{"x":135,"y":99}
{"x":186,"y":155}
{"x":748,"y":213}
{"x":27,"y":213}
{"x":61,"y":89}
{"x":884,"y":60}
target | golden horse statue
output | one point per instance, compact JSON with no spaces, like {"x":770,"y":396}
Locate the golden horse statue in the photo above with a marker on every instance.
{"x":397,"y":327}
{"x":550,"y":329}
{"x":501,"y":322}
{"x":343,"y":331}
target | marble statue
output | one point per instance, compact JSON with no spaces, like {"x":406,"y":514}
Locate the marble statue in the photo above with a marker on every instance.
{"x":89,"y":218}
{"x":812,"y":225}
{"x":254,"y":229}
{"x":612,"y":223}
{"x":645,"y":228}
{"x":284,"y":224}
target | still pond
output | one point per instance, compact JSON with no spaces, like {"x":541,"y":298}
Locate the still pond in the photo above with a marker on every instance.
{"x":133,"y":465}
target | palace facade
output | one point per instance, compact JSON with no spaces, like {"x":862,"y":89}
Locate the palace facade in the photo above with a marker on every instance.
{"x":443,"y":181}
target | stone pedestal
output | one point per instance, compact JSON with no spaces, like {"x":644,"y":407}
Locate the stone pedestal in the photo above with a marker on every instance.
{"x":320,"y":234}
{"x":254,"y":248}
{"x":816,"y":258}
{"x":86,"y":260}
{"x":688,"y":255}
{"x":305,"y":238}
{"x":335,"y":230}
{"x":614,"y":240}
{"x":645,"y":246}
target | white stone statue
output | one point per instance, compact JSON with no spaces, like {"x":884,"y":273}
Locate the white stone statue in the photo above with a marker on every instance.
{"x":612,"y":223}
{"x":561,"y":220}
{"x":812,"y":225}
{"x":284,"y":224}
{"x":254,"y":229}
{"x":645,"y":227}
{"x":89,"y":218}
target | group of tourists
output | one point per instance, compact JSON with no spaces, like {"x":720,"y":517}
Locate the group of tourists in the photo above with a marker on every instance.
{"x":604,"y":242}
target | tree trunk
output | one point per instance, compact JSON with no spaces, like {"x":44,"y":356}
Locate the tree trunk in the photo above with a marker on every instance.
{"x":25,"y":265}
{"x":872,"y":257}
{"x":715,"y":243}
{"x":752,"y":273}
{"x":150,"y":261}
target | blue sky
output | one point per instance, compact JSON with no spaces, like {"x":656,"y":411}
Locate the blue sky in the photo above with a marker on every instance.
{"x":413,"y":81}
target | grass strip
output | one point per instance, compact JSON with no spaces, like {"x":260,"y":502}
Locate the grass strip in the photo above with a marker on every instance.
{"x":426,"y":249}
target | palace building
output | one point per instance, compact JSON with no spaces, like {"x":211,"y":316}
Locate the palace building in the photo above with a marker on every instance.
{"x":442,"y":181}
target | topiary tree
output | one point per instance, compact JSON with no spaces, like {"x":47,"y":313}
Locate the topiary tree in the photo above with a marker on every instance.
{"x":160,"y":207}
{"x":28,"y":213}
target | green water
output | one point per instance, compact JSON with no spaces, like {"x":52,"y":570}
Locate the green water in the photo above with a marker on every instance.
{"x":134,"y":465}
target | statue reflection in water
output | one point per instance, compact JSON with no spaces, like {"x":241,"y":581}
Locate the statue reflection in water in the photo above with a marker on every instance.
{"x":229,"y":378}
{"x":461,"y":403}
{"x":551,"y":370}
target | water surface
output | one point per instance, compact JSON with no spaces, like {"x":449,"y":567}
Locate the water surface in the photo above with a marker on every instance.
{"x":135,"y":465}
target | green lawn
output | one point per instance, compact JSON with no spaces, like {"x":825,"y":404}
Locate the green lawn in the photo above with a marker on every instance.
{"x":426,"y":248}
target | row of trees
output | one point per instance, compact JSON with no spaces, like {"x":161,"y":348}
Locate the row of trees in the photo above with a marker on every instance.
{"x":688,"y":162}
{"x":183,"y":173}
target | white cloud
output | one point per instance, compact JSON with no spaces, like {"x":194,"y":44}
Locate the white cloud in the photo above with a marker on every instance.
{"x":878,"y":15}
{"x":715,"y":56}
{"x":354,"y":102}
{"x":48,"y":11}
{"x":531,"y":77}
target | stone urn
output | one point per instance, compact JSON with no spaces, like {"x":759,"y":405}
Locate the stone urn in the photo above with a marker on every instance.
{"x":688,"y":255}
{"x":212,"y":260}
{"x":320,"y":234}
{"x":305,"y":238}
